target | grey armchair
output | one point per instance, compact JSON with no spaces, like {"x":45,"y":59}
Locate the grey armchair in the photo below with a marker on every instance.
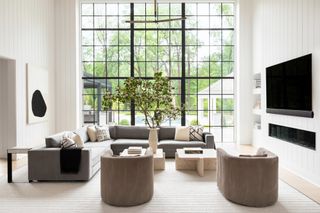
{"x":250,"y":181}
{"x":126,"y":181}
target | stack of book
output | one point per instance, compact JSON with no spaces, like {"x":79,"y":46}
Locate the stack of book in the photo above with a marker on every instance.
{"x":134,"y":150}
{"x":193,"y":150}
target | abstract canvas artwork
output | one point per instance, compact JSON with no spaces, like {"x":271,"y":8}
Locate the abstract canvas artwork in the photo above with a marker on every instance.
{"x":37,"y":94}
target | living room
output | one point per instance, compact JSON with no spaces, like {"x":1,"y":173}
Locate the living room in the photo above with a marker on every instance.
{"x":159,"y":106}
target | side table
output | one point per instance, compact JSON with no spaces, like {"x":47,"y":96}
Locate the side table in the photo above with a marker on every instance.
{"x":14,"y":150}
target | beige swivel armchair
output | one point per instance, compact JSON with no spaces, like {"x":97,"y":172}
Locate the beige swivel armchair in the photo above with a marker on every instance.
{"x":250,"y":181}
{"x":126,"y":181}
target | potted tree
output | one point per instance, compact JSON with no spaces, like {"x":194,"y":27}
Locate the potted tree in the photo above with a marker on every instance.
{"x":153,"y":98}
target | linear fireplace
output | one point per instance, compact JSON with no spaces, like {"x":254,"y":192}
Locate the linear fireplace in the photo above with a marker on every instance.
{"x":296,"y":136}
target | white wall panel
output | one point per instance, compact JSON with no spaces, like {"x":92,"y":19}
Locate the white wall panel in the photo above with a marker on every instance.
{"x":67,"y":63}
{"x":27,"y":36}
{"x":282,"y":30}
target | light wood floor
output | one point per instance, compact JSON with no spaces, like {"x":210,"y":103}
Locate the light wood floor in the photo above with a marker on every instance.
{"x":310,"y":190}
{"x":15,"y":165}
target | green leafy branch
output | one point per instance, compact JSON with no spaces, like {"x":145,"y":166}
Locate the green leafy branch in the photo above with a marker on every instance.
{"x":153,"y":98}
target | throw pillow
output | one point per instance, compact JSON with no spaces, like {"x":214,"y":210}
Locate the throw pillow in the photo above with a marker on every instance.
{"x":103,"y":133}
{"x":77,"y":139}
{"x":195,"y":133}
{"x":182,"y":133}
{"x":92,"y":132}
{"x":68,"y":143}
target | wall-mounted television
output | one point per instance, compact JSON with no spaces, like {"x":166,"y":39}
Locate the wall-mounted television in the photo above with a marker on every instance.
{"x":289,"y":87}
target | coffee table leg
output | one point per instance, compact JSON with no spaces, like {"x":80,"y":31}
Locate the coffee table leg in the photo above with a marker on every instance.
{"x":9,"y":161}
{"x":200,"y":167}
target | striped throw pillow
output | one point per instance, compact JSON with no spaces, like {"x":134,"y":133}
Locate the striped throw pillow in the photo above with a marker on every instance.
{"x":195,"y":133}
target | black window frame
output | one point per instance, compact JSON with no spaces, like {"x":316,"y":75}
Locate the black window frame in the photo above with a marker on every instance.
{"x":183,"y":78}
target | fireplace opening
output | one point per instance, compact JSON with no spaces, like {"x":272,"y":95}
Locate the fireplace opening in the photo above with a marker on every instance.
{"x":296,"y":136}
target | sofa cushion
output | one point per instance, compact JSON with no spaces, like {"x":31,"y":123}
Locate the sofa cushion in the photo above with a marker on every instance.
{"x":172,"y":144}
{"x":105,"y":144}
{"x":167,"y":133}
{"x":82,"y":132}
{"x":120,"y":144}
{"x":96,"y":154}
{"x":54,"y":141}
{"x":132,"y":132}
{"x":129,"y":142}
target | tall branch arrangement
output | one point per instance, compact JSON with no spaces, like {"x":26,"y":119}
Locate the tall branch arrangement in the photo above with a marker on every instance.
{"x":153,"y":98}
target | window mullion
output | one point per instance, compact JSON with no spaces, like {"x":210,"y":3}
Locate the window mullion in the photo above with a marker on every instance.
{"x":132,"y":108}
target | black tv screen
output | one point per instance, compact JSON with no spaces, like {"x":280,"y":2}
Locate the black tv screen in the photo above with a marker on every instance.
{"x":289,"y":87}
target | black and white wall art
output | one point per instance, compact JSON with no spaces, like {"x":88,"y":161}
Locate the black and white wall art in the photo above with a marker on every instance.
{"x":37,"y":94}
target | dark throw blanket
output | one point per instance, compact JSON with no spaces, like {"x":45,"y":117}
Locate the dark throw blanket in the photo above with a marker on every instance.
{"x":70,"y":160}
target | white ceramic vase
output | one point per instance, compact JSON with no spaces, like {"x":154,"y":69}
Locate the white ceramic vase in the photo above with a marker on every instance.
{"x":153,"y":139}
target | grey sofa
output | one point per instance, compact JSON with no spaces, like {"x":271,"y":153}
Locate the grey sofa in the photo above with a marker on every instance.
{"x":126,"y":181}
{"x":125,"y":136}
{"x":249,"y":180}
{"x":44,"y":162}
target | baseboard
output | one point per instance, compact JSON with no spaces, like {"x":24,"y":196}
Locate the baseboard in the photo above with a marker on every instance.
{"x":304,"y":186}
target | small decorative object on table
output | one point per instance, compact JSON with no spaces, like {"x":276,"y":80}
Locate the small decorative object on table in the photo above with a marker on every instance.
{"x":154,"y":99}
{"x":134,"y":150}
{"x":196,"y":150}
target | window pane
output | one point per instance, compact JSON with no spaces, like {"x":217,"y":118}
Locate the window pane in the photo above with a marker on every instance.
{"x":99,"y":22}
{"x":87,"y":37}
{"x":112,"y":9}
{"x":100,"y":69}
{"x":227,"y":9}
{"x":87,"y":9}
{"x":215,"y":9}
{"x":87,"y":22}
{"x":99,"y":9}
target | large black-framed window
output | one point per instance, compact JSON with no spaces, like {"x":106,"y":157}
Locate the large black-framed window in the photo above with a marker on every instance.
{"x":197,"y":55}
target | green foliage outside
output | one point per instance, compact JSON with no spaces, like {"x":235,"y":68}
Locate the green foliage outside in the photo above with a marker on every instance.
{"x":194,"y":122}
{"x":227,"y":104}
{"x":124,"y":122}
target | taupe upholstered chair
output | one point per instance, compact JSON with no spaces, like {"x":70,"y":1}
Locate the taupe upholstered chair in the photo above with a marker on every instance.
{"x":126,"y":181}
{"x":250,"y":181}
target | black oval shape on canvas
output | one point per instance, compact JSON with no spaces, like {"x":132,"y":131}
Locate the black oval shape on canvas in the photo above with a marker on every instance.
{"x":39,"y":107}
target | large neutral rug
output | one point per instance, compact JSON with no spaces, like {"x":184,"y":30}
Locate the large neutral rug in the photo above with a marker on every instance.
{"x":175,"y":191}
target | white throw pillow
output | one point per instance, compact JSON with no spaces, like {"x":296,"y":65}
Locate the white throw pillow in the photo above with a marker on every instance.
{"x":92,"y":132}
{"x":196,"y":133}
{"x":103,"y":133}
{"x":77,"y":139}
{"x":182,"y":133}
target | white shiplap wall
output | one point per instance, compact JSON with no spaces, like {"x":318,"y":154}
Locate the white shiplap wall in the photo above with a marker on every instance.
{"x":282,"y":30}
{"x":67,"y":65}
{"x":27,"y":36}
